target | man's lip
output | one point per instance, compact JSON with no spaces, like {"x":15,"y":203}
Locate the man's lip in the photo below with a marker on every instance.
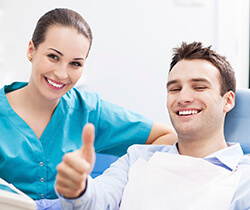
{"x":188,"y":112}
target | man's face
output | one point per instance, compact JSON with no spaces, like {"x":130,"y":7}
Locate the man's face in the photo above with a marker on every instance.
{"x":194,"y":102}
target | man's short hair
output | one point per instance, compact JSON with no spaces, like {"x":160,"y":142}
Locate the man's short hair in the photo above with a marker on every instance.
{"x":196,"y":50}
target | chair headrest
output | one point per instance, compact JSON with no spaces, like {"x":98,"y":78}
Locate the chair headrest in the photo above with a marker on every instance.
{"x":237,"y":122}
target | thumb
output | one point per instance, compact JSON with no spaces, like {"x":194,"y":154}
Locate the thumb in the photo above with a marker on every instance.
{"x":88,"y":138}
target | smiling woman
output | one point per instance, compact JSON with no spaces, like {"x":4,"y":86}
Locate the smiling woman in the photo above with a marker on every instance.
{"x":42,"y":119}
{"x":57,"y":62}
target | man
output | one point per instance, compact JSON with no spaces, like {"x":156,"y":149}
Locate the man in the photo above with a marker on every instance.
{"x":208,"y":173}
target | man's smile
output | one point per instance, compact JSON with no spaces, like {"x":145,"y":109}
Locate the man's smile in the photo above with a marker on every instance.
{"x":188,"y":112}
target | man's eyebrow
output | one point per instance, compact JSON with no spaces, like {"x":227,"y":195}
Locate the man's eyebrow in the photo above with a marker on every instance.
{"x":200,"y":80}
{"x":171,"y":82}
{"x":192,"y":80}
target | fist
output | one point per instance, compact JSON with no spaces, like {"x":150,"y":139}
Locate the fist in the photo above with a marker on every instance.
{"x":75,"y":167}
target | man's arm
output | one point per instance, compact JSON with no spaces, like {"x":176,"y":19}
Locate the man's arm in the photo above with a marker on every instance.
{"x":161,"y":134}
{"x":77,"y":190}
{"x":75,"y":167}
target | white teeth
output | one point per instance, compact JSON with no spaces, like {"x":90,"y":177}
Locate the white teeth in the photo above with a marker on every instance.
{"x":188,"y":112}
{"x":54,"y":84}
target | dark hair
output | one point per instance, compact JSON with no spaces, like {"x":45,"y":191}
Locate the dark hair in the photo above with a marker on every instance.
{"x":196,"y":50}
{"x":61,"y":17}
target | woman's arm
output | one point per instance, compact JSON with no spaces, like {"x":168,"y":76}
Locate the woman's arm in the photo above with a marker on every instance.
{"x":161,"y":134}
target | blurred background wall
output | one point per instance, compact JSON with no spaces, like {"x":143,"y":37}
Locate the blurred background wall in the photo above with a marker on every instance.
{"x":133,"y":41}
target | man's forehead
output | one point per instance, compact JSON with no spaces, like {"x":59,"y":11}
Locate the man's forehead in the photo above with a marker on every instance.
{"x":194,"y":70}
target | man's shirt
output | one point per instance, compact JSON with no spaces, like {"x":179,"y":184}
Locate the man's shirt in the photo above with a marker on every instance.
{"x":105,"y":192}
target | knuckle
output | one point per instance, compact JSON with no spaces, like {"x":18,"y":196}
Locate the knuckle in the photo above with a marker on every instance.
{"x":59,"y":180}
{"x":60,"y":167}
{"x":67,"y":157}
{"x":59,"y":189}
{"x":80,"y":180}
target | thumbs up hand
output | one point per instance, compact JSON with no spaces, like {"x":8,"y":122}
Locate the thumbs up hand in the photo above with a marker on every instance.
{"x":75,"y":167}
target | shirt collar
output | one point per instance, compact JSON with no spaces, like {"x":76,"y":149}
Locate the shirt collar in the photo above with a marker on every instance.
{"x":229,"y":156}
{"x":174,"y":149}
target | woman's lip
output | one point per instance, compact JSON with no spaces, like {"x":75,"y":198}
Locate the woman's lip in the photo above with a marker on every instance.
{"x":56,"y":82}
{"x":53,"y":84}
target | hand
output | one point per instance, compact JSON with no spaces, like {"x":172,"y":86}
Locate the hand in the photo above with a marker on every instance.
{"x":75,"y":167}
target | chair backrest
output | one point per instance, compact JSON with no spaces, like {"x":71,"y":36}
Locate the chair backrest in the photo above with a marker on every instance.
{"x":102,"y":163}
{"x":237,"y":125}
{"x":237,"y":122}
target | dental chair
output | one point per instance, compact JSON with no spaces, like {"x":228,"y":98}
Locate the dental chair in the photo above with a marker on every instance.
{"x":237,"y":122}
{"x":102,"y":163}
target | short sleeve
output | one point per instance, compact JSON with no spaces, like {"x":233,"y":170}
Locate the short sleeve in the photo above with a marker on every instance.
{"x":119,"y":128}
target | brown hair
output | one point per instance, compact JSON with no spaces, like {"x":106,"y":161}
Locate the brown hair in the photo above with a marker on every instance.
{"x":62,"y":17}
{"x":196,"y":50}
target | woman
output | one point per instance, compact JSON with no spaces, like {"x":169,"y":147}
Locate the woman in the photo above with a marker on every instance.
{"x":43,"y":119}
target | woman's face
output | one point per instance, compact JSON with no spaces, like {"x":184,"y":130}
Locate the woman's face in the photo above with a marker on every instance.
{"x":57,"y":63}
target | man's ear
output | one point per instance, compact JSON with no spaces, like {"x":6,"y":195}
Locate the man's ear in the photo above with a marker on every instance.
{"x":229,"y":101}
{"x":30,"y":50}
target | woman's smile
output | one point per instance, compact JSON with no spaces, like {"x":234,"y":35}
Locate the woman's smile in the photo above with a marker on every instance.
{"x":54,"y":84}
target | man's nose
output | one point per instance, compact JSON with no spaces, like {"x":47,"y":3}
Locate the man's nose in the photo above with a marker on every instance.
{"x":185,"y":96}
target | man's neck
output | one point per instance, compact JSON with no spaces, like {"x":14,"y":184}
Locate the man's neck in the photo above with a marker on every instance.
{"x":200,"y":148}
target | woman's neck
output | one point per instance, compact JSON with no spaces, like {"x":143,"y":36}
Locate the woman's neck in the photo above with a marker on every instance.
{"x":32,"y":107}
{"x":37,"y":102}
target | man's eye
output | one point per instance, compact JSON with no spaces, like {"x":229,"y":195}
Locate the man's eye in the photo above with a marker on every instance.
{"x":52,"y":56}
{"x":77,"y":64}
{"x":174,"y":89}
{"x":200,"y":87}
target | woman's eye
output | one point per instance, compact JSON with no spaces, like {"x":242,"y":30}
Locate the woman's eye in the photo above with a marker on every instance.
{"x":52,"y":56}
{"x":77,"y":64}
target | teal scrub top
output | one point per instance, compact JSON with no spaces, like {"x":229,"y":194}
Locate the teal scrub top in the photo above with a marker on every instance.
{"x":30,"y":163}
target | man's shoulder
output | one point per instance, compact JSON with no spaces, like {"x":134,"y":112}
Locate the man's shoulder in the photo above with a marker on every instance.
{"x":244,"y":163}
{"x":245,"y":160}
{"x":244,"y":169}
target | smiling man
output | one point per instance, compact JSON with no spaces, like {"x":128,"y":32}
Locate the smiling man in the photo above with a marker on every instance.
{"x":197,"y":103}
{"x":201,"y":171}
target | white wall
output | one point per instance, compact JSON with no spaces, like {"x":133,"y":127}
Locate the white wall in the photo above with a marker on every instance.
{"x":133,"y":41}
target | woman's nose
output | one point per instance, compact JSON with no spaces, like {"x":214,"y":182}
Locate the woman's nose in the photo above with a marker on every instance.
{"x":61,"y":72}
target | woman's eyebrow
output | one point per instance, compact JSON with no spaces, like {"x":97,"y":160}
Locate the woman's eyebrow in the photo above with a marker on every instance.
{"x":62,"y":54}
{"x":56,"y":51}
{"x":78,"y":59}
